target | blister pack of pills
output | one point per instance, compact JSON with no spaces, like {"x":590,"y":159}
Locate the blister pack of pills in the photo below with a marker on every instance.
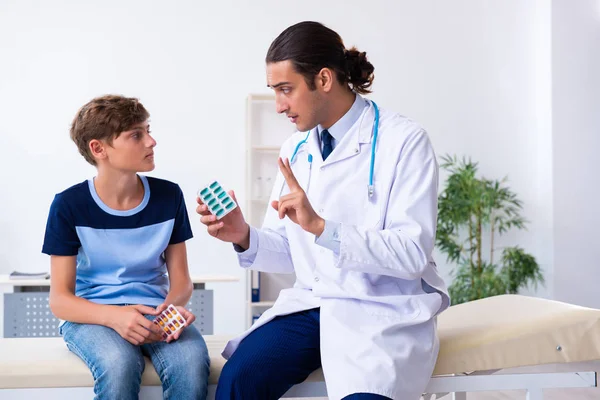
{"x":219,"y":202}
{"x":170,"y":321}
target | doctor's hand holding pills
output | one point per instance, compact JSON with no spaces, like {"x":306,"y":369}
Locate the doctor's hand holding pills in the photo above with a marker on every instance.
{"x":295,"y":205}
{"x":231,"y":228}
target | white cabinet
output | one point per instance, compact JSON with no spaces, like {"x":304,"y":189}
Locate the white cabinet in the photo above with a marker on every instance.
{"x":266,"y":132}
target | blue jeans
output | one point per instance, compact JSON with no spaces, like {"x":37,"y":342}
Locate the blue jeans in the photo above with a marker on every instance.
{"x":117,"y":365}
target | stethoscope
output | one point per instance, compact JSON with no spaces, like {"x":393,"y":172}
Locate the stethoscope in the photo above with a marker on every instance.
{"x":370,"y":187}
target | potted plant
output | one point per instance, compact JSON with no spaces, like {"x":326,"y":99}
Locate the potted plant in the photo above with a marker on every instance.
{"x":472,"y":212}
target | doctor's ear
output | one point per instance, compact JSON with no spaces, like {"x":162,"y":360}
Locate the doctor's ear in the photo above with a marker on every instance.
{"x":324,"y":79}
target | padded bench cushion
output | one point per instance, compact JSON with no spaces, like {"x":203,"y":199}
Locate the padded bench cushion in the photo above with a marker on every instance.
{"x":513,"y":331}
{"x":495,"y":333}
{"x":46,"y":362}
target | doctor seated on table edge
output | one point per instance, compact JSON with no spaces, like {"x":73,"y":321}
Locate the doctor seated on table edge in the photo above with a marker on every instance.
{"x":353,"y":214}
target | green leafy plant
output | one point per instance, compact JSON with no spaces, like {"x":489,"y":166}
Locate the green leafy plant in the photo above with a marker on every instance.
{"x":472,"y":213}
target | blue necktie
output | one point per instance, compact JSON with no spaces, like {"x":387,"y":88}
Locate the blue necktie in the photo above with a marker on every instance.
{"x":327,"y":145}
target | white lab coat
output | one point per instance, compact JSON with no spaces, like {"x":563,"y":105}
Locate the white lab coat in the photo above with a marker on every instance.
{"x":378,"y":325}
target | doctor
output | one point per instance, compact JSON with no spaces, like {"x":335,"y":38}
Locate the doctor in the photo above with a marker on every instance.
{"x":353,"y":214}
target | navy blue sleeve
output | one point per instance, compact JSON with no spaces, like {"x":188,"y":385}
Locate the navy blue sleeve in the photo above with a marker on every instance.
{"x":182,"y":229}
{"x":61,"y":237}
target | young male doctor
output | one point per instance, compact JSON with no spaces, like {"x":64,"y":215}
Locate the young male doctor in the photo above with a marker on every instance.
{"x":353,"y":214}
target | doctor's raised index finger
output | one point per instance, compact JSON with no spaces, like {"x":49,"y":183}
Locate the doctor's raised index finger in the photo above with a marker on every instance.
{"x":288,"y":175}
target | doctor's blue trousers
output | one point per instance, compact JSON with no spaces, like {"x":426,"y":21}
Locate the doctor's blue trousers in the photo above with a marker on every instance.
{"x":274,"y":357}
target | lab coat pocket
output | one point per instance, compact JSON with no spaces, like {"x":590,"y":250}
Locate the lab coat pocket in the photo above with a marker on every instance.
{"x":406,"y":309}
{"x":380,"y":280}
{"x":373,"y":208}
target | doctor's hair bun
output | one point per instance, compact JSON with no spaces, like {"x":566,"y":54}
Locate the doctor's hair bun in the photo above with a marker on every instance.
{"x":360,"y":70}
{"x":311,"y":46}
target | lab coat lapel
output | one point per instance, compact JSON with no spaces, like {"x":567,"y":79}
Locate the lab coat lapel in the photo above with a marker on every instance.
{"x":353,"y":141}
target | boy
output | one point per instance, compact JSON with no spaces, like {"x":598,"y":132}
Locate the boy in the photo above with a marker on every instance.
{"x":117,"y":247}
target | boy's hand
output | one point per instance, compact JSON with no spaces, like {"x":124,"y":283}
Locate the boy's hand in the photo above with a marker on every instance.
{"x":130,"y":323}
{"x":231,"y":228}
{"x":188,"y":316}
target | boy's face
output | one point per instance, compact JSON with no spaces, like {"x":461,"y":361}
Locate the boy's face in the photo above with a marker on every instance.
{"x":293,"y":96}
{"x":132,"y":151}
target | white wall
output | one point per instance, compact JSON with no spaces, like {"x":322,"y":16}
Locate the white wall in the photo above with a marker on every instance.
{"x":466,"y":69}
{"x":576,"y":131}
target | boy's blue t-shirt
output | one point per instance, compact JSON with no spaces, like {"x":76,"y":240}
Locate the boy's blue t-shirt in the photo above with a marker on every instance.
{"x":120,"y":254}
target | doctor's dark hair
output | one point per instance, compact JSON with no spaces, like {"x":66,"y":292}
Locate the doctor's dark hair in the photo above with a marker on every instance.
{"x":105,"y":118}
{"x":311,"y":46}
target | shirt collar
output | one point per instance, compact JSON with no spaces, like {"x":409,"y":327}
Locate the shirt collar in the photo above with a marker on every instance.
{"x":343,"y":125}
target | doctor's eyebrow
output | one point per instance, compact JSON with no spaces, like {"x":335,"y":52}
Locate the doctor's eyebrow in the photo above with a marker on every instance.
{"x":275,"y":86}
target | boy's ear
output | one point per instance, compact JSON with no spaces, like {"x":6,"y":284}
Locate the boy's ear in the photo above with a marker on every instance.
{"x":97,"y":149}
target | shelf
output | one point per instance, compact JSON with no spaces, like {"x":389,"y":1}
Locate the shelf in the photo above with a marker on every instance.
{"x":262,"y":303}
{"x":266,"y":131}
{"x":209,"y":278}
{"x":261,"y":97}
{"x":266,"y":149}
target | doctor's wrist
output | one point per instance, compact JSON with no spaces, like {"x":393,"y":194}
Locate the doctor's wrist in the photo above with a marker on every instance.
{"x":244,"y":242}
{"x":318,"y":227}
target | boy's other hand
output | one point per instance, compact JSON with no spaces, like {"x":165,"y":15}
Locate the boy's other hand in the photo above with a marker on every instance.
{"x":130,"y":323}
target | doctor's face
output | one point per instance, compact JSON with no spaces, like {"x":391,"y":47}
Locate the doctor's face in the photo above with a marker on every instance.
{"x":293,"y":97}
